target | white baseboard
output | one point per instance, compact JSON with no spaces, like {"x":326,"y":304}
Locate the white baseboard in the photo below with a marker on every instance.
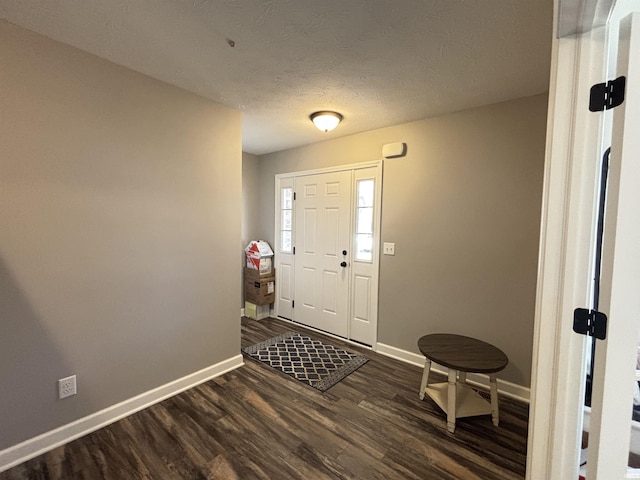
{"x":508,"y":389}
{"x":33,"y":447}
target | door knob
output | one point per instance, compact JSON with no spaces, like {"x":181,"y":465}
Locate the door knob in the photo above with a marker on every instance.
{"x":343,"y":264}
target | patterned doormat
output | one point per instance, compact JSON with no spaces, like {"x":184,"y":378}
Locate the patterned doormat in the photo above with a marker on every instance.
{"x":310,"y":361}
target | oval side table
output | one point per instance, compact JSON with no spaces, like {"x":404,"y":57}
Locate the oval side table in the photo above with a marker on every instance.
{"x":460,"y":355}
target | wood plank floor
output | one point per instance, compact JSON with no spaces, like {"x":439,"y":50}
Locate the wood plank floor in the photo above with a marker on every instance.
{"x":256,"y":423}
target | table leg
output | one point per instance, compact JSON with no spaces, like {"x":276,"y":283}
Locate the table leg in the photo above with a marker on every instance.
{"x":494,"y":399}
{"x":462,"y":377}
{"x":451,"y":401}
{"x":425,"y":377}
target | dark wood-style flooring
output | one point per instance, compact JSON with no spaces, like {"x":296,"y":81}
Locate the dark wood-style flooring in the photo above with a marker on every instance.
{"x":255,"y":423}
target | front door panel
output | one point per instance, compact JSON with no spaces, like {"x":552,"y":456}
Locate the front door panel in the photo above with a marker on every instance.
{"x":322,"y":232}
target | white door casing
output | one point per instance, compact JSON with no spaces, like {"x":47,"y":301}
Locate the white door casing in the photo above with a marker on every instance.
{"x":568,"y":227}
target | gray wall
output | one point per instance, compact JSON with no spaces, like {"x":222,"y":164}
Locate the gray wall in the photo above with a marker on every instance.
{"x":120,"y":205}
{"x":250,"y":206}
{"x":463,"y":208}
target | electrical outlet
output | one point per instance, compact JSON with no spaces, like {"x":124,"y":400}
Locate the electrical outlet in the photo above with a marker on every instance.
{"x":389,"y":248}
{"x":67,"y":387}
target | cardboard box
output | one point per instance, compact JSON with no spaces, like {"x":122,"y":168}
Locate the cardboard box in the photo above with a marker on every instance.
{"x":257,"y":312}
{"x":259,"y":257}
{"x":259,"y":289}
{"x":260,"y":292}
{"x":252,"y":275}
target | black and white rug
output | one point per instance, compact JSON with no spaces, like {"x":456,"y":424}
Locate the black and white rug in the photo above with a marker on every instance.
{"x":303,"y":358}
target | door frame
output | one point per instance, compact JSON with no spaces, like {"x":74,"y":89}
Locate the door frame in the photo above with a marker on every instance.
{"x":616,"y":355}
{"x":564,"y":265}
{"x":576,"y":138}
{"x":284,"y":177}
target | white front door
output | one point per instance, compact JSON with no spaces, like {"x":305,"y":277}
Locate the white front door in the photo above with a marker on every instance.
{"x":322,"y":230}
{"x":327,"y":249}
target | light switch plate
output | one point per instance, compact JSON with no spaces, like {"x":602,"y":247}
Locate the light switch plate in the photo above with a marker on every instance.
{"x":389,"y":248}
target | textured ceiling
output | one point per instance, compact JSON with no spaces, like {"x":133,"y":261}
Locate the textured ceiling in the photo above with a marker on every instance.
{"x":378,"y":62}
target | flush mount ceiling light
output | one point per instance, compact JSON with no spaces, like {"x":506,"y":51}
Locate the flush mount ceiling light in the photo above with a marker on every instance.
{"x":326,"y":121}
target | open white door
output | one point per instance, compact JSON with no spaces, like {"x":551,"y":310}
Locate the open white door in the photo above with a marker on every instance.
{"x":614,"y":374}
{"x":576,"y":141}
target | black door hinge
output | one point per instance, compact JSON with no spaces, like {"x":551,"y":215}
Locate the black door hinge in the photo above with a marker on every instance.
{"x":590,"y":322}
{"x":293,"y":303}
{"x":294,"y":250}
{"x":294,"y":195}
{"x":604,"y":96}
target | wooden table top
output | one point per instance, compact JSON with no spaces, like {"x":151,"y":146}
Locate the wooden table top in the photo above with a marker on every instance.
{"x":462,"y":353}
